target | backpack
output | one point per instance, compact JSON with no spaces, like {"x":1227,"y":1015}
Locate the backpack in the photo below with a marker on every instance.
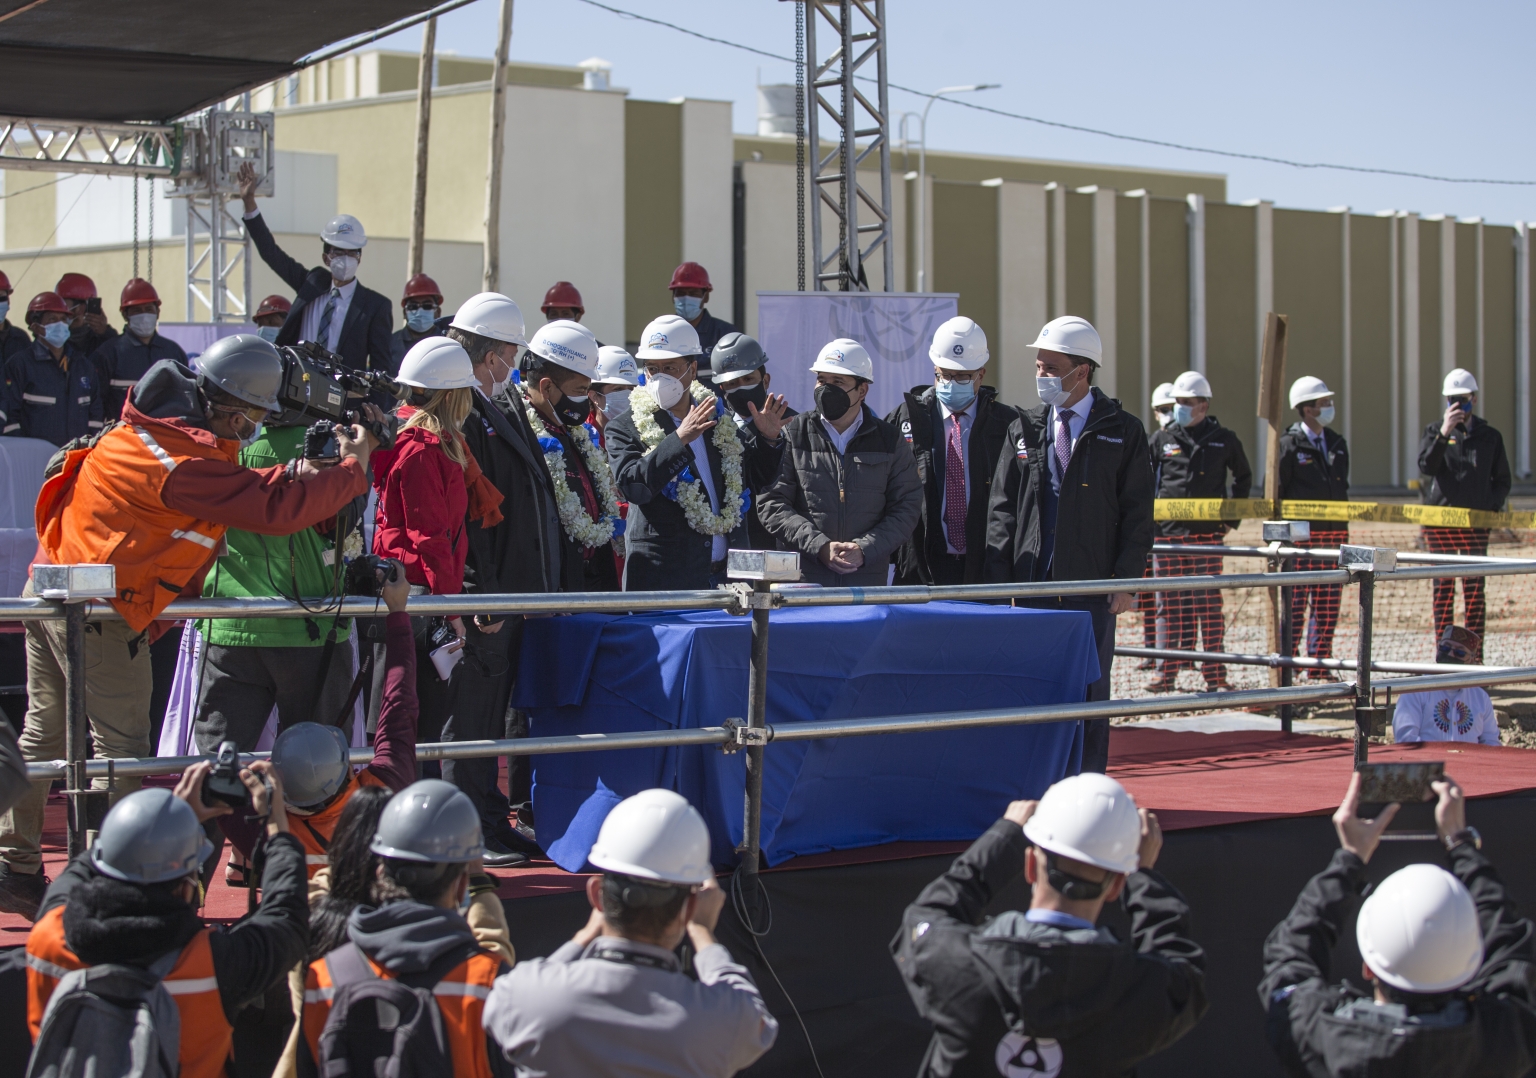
{"x":110,"y":1021}
{"x":383,"y":1027}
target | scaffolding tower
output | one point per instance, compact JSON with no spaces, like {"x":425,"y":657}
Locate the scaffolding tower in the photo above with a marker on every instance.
{"x":857,"y":29}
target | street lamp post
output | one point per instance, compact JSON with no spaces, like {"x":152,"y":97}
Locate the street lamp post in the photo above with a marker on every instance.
{"x":922,"y":170}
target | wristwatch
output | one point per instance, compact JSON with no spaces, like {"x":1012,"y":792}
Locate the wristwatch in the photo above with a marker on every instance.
{"x":1466,"y":834}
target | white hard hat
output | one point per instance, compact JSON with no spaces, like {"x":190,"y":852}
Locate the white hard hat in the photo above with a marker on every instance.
{"x":1192,"y":384}
{"x":567,"y":344}
{"x":1307,"y":388}
{"x":1418,"y":931}
{"x":1459,"y":382}
{"x":668,"y":337}
{"x":437,"y":363}
{"x":959,"y":345}
{"x":490,"y":314}
{"x":1163,"y":395}
{"x":1089,"y":818}
{"x":655,"y":835}
{"x":616,"y":367}
{"x":346,"y":231}
{"x":1073,"y":335}
{"x":845,"y":356}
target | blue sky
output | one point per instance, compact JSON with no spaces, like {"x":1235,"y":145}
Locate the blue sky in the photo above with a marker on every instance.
{"x":1436,"y":88}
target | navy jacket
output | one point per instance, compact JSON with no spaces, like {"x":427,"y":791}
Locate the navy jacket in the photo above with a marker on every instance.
{"x":13,"y":339}
{"x":45,"y":400}
{"x":1468,"y":470}
{"x":364,"y":342}
{"x":1195,"y":463}
{"x":124,"y":359}
{"x":711,"y":329}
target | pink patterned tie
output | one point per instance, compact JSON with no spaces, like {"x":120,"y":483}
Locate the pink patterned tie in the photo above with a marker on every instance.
{"x":954,"y":487}
{"x":1063,"y":441}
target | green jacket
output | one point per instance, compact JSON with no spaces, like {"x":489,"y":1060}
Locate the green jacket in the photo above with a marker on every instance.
{"x":291,"y":566}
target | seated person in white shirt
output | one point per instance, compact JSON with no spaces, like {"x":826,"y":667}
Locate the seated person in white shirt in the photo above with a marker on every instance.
{"x":1448,"y":714}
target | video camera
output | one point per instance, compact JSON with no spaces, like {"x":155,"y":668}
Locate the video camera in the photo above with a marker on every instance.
{"x":317,"y":384}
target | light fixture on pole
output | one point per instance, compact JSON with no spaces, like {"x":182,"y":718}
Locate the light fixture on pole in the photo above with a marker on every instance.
{"x":922,"y":170}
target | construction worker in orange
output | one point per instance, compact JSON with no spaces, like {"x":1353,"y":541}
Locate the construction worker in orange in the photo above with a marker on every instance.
{"x":153,"y":497}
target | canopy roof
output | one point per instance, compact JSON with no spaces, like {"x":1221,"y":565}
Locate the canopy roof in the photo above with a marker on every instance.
{"x":157,"y":60}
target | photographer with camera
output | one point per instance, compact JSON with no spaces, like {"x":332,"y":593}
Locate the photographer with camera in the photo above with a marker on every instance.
{"x":154,"y":497}
{"x":129,"y":908}
{"x":429,"y":489}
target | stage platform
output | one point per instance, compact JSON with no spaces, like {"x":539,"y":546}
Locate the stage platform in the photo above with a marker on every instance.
{"x":1247,"y":819}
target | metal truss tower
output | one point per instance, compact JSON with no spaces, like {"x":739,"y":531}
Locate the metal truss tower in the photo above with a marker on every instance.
{"x":857,"y":128}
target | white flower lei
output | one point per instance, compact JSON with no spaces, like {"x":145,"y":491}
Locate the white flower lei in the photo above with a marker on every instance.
{"x":573,"y":514}
{"x":691,"y":494}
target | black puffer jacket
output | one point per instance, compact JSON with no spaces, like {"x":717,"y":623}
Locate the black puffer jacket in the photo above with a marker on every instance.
{"x":1194,"y":463}
{"x":1079,"y":1000}
{"x":916,"y":418}
{"x":1320,"y":1030}
{"x":1104,"y":514}
{"x":1468,"y":470}
{"x":869,"y":495}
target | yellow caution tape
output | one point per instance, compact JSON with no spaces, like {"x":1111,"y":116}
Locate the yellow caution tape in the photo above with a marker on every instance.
{"x":1435,"y":516}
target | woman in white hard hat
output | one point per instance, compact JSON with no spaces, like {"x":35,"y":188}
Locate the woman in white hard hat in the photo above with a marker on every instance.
{"x":1461,"y":463}
{"x":1446,"y":955}
{"x":1314,"y":467}
{"x":1192,"y":458}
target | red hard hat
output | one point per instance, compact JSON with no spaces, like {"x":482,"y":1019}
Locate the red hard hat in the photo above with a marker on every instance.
{"x":691,"y":275}
{"x":76,"y":286}
{"x":5,"y":282}
{"x":273,"y":305}
{"x":138,"y":292}
{"x":562,"y":294}
{"x":420,"y":287}
{"x":44,"y":302}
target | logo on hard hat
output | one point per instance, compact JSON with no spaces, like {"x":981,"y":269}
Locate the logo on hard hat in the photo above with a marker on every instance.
{"x":835,"y":354}
{"x":1045,"y":332}
{"x":959,"y":349}
{"x":1021,"y":1056}
{"x":656,"y":339}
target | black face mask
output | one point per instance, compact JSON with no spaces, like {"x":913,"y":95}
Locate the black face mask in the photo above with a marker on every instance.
{"x":570,"y":411}
{"x":740,"y":398}
{"x":832,"y":402}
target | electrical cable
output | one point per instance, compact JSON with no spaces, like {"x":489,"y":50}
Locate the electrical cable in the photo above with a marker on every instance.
{"x":1267,"y":159}
{"x":84,"y":187}
{"x":39,"y":186}
{"x":737,"y":904}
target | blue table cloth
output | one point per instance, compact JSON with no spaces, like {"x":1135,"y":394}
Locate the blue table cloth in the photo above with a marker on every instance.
{"x":591,"y":673}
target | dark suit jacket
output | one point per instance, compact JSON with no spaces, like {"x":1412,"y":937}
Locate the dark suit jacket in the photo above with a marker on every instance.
{"x":364,"y":341}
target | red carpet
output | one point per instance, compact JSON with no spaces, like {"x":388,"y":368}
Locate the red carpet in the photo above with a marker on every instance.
{"x":1189,"y":779}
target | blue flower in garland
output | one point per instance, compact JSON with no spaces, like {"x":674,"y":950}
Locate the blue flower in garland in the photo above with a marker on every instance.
{"x":550,"y":444}
{"x":669,"y":491}
{"x":592,"y":433}
{"x":687,"y":476}
{"x":746,"y":501}
{"x":619,"y":524}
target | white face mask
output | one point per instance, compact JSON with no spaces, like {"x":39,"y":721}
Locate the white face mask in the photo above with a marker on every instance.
{"x":1050,"y":391}
{"x":667,"y":390}
{"x":1325,"y":414}
{"x":616,"y":403}
{"x":143,"y":325}
{"x":343,"y":268}
{"x":1165,"y":420}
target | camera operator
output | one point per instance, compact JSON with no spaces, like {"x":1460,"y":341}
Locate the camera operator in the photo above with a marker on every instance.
{"x":1449,"y":962}
{"x":425,"y":490}
{"x":154,"y":497}
{"x":1050,"y":991}
{"x":614,"y":1000}
{"x":133,"y":900}
{"x":313,"y":758}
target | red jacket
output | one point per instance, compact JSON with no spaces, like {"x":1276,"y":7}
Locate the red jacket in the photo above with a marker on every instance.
{"x":422,"y":501}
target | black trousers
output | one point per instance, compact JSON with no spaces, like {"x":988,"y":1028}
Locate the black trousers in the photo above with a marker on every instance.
{"x":1095,"y":731}
{"x":479,"y":694}
{"x":947,"y":568}
{"x":240,"y":686}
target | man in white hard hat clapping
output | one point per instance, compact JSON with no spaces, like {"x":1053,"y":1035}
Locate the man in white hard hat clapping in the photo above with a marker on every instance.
{"x":1048,"y":991}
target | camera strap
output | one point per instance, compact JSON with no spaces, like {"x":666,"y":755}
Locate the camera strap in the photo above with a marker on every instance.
{"x":364,"y":672}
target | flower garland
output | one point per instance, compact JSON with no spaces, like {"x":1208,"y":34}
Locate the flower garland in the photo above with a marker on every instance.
{"x":573,"y":514}
{"x":687,"y":489}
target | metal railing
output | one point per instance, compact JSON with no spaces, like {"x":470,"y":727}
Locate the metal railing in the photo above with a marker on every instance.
{"x":758,"y":600}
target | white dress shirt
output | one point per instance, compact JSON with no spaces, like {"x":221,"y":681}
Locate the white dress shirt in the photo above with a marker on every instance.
{"x":941,"y":445}
{"x":1076,"y":418}
{"x":840,"y":441}
{"x":316,"y":310}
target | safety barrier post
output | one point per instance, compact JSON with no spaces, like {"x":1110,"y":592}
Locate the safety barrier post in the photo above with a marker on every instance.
{"x":1287,"y":645}
{"x":1363,"y":563}
{"x":76,"y":731}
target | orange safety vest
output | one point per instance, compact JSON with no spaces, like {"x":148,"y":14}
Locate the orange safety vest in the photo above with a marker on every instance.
{"x":207,"y":1040}
{"x":105,"y":506}
{"x":460,"y":996}
{"x":314,"y":832}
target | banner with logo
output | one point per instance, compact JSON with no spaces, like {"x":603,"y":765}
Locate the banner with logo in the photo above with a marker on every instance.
{"x":895,"y":328}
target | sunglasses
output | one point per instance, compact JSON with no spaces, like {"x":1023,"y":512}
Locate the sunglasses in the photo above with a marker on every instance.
{"x":1455,"y":651}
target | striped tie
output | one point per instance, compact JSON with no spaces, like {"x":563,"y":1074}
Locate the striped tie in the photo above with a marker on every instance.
{"x":324,"y":333}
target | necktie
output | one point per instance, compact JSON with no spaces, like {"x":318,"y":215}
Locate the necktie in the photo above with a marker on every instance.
{"x":324,"y":333}
{"x":954,"y":487}
{"x":1063,"y":441}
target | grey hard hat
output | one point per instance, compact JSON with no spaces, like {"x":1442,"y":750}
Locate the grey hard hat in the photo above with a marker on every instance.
{"x":150,"y":836}
{"x":244,"y":366}
{"x":314,"y":761}
{"x":734,"y":355}
{"x":431,"y":821}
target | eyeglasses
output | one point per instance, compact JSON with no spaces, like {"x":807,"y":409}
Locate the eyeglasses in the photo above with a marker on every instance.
{"x":675,"y":367}
{"x":957,"y":376}
{"x":1456,"y":651}
{"x":425,"y":305}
